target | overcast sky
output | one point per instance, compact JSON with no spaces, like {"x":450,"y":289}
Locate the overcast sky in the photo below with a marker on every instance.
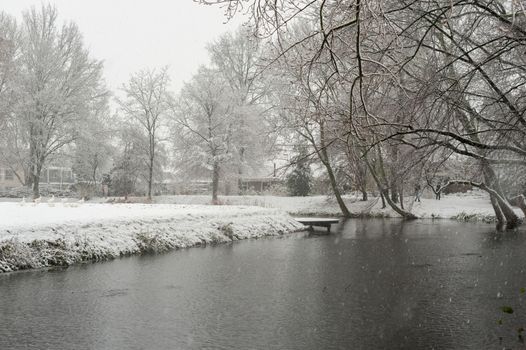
{"x":129,"y":35}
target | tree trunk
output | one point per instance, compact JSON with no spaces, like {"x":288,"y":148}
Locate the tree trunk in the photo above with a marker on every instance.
{"x":36,"y":189}
{"x":336,"y":191}
{"x":324,"y":157}
{"x":520,"y":202}
{"x":215,"y":182}
{"x":401,"y":193}
{"x":382,"y":197}
{"x":362,"y":170}
{"x":322,"y":154}
{"x":404,"y":213}
{"x":151,"y":133}
{"x":364,"y":195}
{"x":501,"y":220}
{"x":36,"y":181}
{"x":493,"y":188}
{"x":512,"y":220}
{"x":240,"y":170}
{"x":150,"y":179}
{"x":394,"y":191}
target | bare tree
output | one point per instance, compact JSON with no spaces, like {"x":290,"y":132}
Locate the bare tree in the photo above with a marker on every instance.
{"x":147,"y":104}
{"x":93,"y":152}
{"x":237,"y":58}
{"x":410,"y":79}
{"x":204,"y":125}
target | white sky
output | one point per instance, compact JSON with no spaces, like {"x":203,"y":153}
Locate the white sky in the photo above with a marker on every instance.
{"x":129,"y":35}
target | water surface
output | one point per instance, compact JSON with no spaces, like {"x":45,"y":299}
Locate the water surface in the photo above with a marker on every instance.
{"x":374,"y":284}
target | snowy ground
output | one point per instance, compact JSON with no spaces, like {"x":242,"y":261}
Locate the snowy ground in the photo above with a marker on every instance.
{"x":474,"y":205}
{"x":48,"y":234}
{"x":42,"y":235}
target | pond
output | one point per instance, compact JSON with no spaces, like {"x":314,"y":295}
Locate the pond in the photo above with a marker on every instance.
{"x":371,"y":284}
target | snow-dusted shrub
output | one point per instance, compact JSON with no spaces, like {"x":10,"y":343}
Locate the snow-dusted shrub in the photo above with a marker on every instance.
{"x":227,"y":230}
{"x":15,"y":255}
{"x":278,"y":189}
{"x":474,"y":217}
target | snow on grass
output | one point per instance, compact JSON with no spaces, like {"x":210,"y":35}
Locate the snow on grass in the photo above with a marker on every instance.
{"x":471,"y":206}
{"x":33,"y":236}
{"x":42,"y":235}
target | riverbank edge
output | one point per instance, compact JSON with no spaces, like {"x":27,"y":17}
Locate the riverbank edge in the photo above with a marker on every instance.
{"x":474,"y":206}
{"x":461,"y":217}
{"x":68,"y":244}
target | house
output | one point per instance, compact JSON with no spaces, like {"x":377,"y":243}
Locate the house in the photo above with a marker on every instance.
{"x":51,"y":176}
{"x":258,"y":184}
{"x":58,"y":177}
{"x":8,"y":180}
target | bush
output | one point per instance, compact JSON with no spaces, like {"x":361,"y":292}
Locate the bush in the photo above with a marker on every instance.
{"x":278,"y":189}
{"x":299,"y":181}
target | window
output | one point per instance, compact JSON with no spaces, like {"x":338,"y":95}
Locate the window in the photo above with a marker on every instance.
{"x":8,"y":174}
{"x":54,"y":175}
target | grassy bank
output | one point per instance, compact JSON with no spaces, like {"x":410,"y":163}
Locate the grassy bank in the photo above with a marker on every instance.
{"x":35,"y":236}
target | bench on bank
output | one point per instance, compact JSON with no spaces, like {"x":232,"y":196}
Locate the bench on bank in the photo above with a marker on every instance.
{"x":319,"y":222}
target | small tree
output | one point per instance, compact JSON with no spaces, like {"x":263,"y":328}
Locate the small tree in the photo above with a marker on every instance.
{"x":92,"y":153}
{"x":129,"y":164}
{"x":300,"y":179}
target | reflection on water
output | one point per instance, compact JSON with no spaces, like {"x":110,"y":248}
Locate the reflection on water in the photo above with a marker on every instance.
{"x":374,"y":284}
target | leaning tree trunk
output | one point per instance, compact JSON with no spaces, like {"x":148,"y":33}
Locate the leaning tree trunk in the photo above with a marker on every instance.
{"x":503,"y":210}
{"x":382,"y":197}
{"x":324,"y":157}
{"x":520,"y":202}
{"x":493,"y":188}
{"x":334,"y":185}
{"x":512,"y":220}
{"x":501,"y":220}
{"x":404,"y":213}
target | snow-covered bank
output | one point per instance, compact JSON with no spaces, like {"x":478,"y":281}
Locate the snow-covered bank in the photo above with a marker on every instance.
{"x":33,"y":236}
{"x":474,"y":205}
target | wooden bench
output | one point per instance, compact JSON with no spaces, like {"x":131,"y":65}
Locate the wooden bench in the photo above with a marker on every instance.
{"x":320,"y":222}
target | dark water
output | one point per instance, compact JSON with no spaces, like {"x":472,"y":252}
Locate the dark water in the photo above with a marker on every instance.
{"x":377,"y":284}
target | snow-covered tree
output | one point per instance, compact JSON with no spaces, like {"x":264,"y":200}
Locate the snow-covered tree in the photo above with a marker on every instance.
{"x":204,"y":125}
{"x":146,"y":105}
{"x":93,"y":151}
{"x":60,"y":86}
{"x":12,"y":154}
{"x":236,"y":57}
{"x":129,"y":162}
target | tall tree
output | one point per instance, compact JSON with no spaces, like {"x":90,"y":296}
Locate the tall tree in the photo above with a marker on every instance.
{"x":204,"y":126}
{"x":147,"y":104}
{"x":236,"y":57}
{"x":60,"y":85}
{"x":11,"y":136}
